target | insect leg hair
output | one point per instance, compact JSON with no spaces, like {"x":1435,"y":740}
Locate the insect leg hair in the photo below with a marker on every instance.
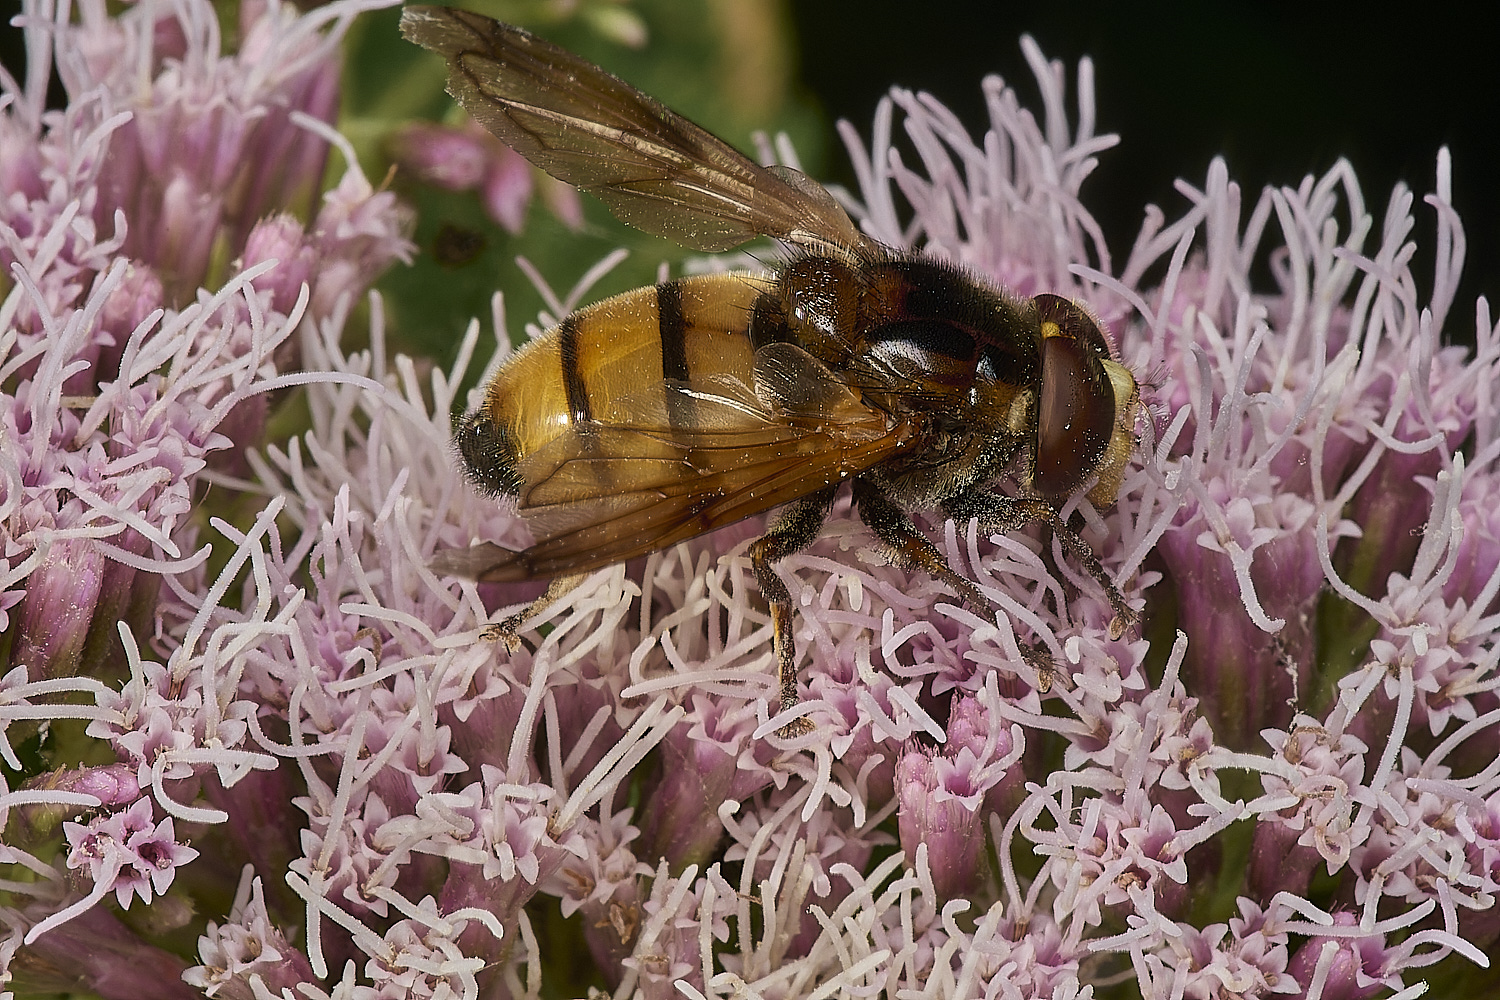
{"x":794,"y":529}
{"x":909,"y":547}
{"x":1003,"y":515}
{"x":504,"y":631}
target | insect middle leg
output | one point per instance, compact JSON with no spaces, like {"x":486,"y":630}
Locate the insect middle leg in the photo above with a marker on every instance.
{"x":794,"y":529}
{"x":1002,"y":515}
{"x":915,"y":550}
{"x":910,"y":547}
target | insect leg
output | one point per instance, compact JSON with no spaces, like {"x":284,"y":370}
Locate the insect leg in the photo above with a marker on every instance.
{"x":909,"y":546}
{"x":504,"y":631}
{"x":794,"y":529}
{"x":1002,"y":514}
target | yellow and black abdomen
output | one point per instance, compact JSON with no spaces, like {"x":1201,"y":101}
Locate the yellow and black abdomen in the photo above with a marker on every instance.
{"x":658,"y":415}
{"x":656,"y":365}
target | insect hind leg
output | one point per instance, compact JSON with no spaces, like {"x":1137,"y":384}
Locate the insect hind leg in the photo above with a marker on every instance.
{"x":794,"y":529}
{"x":505,"y":630}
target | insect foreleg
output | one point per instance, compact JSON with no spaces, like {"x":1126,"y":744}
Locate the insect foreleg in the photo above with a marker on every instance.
{"x":1003,"y":515}
{"x":794,"y":529}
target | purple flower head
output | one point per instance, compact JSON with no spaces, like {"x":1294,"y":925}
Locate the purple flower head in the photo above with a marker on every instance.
{"x":452,"y":158}
{"x":605,"y":883}
{"x":126,"y":853}
{"x":991,"y":802}
{"x":1245,"y":957}
{"x":118,"y":403}
{"x":210,"y":146}
{"x":359,"y":232}
{"x":248,"y":944}
{"x":943,"y":794}
{"x":710,"y":758}
{"x":1480,"y":831}
{"x":125,"y":376}
{"x":1320,"y":777}
{"x":679,"y":912}
{"x":1346,"y":964}
{"x":61,"y":596}
{"x":282,"y":239}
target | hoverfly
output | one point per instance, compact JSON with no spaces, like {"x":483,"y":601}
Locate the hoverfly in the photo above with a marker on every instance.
{"x":666,"y":412}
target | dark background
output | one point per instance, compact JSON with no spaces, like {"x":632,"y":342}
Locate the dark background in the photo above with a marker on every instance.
{"x":1279,"y":90}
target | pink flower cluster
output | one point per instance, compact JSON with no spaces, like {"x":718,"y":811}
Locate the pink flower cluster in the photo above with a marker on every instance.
{"x":127,"y":852}
{"x":1283,"y":783}
{"x":153,"y":285}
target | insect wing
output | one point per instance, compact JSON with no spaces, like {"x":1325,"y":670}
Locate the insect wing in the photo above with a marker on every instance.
{"x":654,"y":169}
{"x":638,"y":480}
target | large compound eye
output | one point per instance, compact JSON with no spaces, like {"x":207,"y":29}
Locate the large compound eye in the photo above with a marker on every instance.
{"x":1076,"y":413}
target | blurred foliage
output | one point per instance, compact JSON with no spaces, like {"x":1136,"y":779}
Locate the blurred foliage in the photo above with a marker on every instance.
{"x":731,"y":71}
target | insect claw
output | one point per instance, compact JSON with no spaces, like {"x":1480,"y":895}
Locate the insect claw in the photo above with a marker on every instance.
{"x":506,"y":629}
{"x":1125,"y":617}
{"x":972,"y":595}
{"x":1039,"y":659}
{"x":503,"y":633}
{"x":798,"y":727}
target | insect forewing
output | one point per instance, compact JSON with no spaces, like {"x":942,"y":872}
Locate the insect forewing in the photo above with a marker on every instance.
{"x":654,"y":169}
{"x":638,"y":481}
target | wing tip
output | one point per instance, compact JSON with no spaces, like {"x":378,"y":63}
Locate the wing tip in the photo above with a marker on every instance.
{"x":418,"y":19}
{"x":484,"y":561}
{"x":448,"y":31}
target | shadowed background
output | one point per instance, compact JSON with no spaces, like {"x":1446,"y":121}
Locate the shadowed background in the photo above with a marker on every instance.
{"x":1280,"y":90}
